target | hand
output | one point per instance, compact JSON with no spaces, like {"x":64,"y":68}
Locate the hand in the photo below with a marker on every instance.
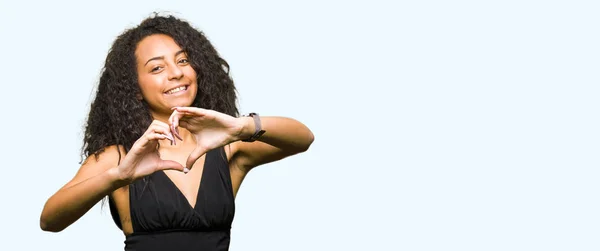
{"x":211,"y":129}
{"x":143,"y":159}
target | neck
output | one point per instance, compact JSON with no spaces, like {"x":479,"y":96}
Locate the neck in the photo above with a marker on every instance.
{"x":160,"y":116}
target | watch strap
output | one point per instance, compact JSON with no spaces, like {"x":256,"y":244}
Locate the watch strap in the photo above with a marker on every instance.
{"x":258,"y":128}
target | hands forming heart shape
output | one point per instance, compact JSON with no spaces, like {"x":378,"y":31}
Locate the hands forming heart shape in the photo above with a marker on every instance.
{"x":211,"y":130}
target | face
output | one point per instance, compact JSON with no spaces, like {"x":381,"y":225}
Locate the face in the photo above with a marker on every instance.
{"x":165,"y":75}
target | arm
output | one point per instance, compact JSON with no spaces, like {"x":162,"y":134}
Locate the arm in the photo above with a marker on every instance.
{"x":95,"y":179}
{"x":99,"y":177}
{"x":283,"y":137}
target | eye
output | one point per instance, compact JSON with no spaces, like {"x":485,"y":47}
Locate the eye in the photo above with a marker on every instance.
{"x":183,"y":61}
{"x":156,"y":69}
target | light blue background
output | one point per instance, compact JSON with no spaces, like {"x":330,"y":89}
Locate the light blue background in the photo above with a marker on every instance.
{"x":440,"y":125}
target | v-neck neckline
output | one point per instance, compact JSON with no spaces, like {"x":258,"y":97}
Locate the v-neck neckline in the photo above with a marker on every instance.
{"x":193,"y":207}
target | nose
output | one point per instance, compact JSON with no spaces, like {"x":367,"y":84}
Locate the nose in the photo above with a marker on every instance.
{"x":175,"y":72}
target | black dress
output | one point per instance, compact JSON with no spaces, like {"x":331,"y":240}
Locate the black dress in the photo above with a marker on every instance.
{"x":163,"y":219}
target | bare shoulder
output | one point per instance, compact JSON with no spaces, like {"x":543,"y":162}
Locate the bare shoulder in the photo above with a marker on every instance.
{"x":110,"y":154}
{"x":96,"y":164}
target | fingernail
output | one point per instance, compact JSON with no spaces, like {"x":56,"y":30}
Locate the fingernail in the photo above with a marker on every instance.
{"x":177,"y":133}
{"x":186,"y":170}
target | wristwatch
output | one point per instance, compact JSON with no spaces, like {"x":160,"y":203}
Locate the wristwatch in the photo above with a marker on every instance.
{"x":258,"y":132}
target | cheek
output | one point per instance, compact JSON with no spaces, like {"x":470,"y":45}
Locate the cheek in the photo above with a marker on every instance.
{"x":148,"y":83}
{"x":194,"y":78}
{"x":189,"y":71}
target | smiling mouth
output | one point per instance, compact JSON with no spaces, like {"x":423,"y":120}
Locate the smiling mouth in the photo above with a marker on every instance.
{"x":176,"y":90}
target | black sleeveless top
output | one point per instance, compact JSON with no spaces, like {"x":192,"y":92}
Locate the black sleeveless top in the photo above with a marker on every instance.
{"x":163,"y":219}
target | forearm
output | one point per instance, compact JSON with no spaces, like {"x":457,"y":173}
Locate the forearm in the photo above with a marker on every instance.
{"x":69,"y":204}
{"x":284,"y":133}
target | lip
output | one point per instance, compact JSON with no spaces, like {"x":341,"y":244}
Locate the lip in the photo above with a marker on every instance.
{"x":175,"y":87}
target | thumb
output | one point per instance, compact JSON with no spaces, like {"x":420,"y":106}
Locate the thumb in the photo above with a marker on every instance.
{"x":194,"y":156}
{"x":170,"y":165}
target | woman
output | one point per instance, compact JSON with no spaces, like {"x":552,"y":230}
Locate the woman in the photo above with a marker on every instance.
{"x":165,"y":143}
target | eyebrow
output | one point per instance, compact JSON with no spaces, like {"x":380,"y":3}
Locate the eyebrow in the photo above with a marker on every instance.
{"x":163,"y":57}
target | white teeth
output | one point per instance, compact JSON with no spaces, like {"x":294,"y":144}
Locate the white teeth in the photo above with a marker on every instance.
{"x":176,"y":90}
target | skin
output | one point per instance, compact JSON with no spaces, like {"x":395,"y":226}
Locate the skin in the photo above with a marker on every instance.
{"x":184,"y":133}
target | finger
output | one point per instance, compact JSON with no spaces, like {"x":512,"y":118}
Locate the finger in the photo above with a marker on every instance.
{"x":183,"y":114}
{"x":160,"y":124}
{"x":171,"y":118}
{"x":192,"y":110}
{"x":171,"y":127}
{"x":161,"y":129}
{"x":194,"y":156}
{"x":174,"y":121}
{"x":165,"y":132}
{"x":152,"y":137}
{"x":171,"y":165}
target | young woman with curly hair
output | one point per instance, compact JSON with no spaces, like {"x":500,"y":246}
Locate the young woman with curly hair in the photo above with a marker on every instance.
{"x":164,"y":141}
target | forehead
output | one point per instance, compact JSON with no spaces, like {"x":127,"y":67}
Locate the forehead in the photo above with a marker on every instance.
{"x":155,"y":46}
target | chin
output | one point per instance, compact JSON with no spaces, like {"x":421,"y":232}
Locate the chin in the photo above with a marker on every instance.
{"x":182,"y":104}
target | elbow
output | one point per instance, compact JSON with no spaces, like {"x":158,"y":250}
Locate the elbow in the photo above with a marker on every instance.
{"x":47,"y":226}
{"x":309,"y":140}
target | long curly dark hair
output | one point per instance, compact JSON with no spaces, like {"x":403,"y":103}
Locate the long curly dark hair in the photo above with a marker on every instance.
{"x":117,"y":117}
